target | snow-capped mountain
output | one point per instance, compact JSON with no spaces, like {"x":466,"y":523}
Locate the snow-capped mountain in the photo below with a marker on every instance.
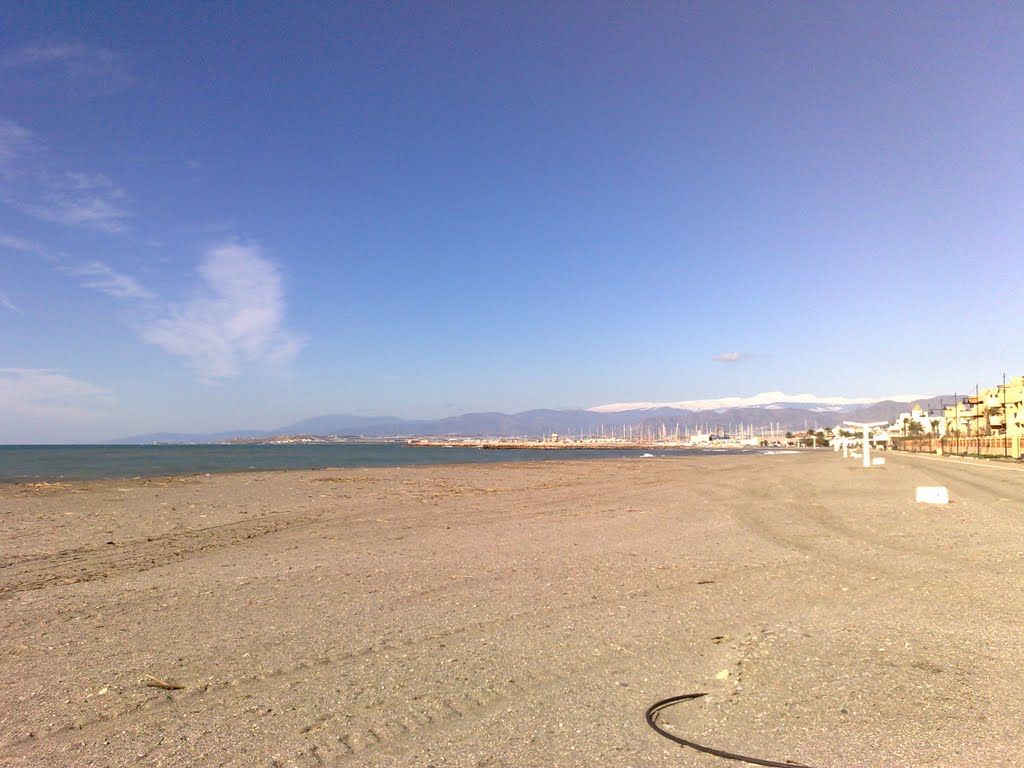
{"x":766,"y":400}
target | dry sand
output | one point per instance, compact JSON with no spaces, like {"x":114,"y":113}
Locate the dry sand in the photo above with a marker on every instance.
{"x":517,"y":615}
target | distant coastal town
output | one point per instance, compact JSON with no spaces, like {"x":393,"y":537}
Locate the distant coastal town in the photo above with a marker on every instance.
{"x":989,"y":422}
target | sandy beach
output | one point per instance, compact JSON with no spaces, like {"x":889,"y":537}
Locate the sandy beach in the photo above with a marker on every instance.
{"x":517,"y":615}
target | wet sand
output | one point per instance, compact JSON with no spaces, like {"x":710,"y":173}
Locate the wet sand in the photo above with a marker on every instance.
{"x":517,"y":615}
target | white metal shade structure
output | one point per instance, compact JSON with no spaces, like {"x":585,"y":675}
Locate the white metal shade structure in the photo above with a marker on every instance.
{"x":867,"y":439}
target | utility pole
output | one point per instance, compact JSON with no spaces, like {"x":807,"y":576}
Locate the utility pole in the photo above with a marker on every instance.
{"x":956,"y":422}
{"x":1006,"y":431}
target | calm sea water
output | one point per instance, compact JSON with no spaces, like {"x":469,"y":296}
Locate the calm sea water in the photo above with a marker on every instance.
{"x":35,"y":463}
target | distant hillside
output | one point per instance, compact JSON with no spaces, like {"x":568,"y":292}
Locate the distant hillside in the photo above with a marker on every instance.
{"x":889,"y":411}
{"x":536,"y":423}
{"x":341,"y":424}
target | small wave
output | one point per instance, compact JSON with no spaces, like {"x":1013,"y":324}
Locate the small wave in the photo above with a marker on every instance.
{"x":776,"y":453}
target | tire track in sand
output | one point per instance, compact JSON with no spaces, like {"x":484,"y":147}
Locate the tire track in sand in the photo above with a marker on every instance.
{"x":333,"y":735}
{"x":83,"y":564}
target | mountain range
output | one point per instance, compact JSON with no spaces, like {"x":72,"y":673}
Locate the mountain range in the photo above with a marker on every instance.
{"x":787,"y":413}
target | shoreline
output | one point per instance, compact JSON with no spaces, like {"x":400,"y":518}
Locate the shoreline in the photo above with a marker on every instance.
{"x":29,"y":464}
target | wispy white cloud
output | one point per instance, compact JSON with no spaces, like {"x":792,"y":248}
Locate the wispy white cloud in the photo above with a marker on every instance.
{"x":7,"y":304}
{"x":72,"y":59}
{"x":76,"y":199}
{"x":12,"y":243}
{"x":237,"y":316}
{"x":15,"y":142}
{"x":49,"y":394}
{"x":29,"y":183}
{"x":728,"y":357}
{"x":101,"y":277}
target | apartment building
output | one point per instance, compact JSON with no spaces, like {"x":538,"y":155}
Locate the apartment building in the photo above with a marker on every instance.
{"x":996,"y":411}
{"x":926,"y":424}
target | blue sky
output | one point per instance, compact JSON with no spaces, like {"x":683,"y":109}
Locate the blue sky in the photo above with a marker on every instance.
{"x":236,"y":217}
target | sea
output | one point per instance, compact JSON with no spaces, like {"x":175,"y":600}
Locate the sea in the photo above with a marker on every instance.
{"x":56,"y":463}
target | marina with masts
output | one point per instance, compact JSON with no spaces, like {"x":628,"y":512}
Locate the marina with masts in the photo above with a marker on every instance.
{"x":638,"y":436}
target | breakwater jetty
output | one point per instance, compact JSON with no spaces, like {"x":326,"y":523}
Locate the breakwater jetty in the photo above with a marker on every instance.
{"x":492,"y":444}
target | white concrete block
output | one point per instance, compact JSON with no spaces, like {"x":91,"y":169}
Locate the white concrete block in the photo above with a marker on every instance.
{"x":932,"y":494}
{"x":878,"y":462}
